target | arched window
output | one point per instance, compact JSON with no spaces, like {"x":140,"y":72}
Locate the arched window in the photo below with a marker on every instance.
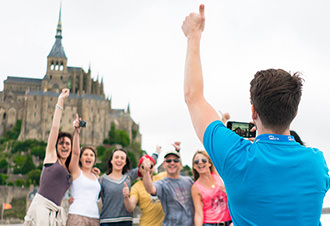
{"x":61,"y":66}
{"x":52,"y":66}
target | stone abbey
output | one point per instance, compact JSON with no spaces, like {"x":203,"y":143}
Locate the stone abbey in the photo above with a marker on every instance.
{"x":33,"y":101}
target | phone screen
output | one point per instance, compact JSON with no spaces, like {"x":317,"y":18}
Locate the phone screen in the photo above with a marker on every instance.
{"x":241,"y":128}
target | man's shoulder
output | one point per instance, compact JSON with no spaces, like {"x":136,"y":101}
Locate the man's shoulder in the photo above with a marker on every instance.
{"x":187,"y":179}
{"x":160,"y":176}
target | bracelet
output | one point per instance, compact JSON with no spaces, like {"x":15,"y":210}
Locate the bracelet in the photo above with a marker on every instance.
{"x":59,"y":107}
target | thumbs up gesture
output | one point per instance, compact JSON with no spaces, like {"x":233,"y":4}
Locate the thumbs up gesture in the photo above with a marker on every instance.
{"x":125,"y":191}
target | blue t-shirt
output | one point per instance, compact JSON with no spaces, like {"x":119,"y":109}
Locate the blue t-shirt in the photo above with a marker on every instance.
{"x":273,"y":181}
{"x":175,"y":197}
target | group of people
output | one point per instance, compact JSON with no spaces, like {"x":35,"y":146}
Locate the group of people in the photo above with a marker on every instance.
{"x":273,"y":180}
{"x":166,"y":198}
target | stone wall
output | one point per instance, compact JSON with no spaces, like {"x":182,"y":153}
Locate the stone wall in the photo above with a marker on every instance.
{"x":7,"y":193}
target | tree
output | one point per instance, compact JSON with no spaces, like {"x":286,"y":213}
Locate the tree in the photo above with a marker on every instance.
{"x":38,"y":151}
{"x":19,"y":160}
{"x":132,"y":159}
{"x":19,"y":146}
{"x":34,"y":176}
{"x":3,"y":166}
{"x":100,"y":150}
{"x":3,"y":178}
{"x":112,"y":133}
{"x":117,"y":136}
{"x":122,"y":138}
{"x":19,"y":182}
{"x":14,"y":132}
{"x":28,"y":165}
{"x":187,"y":170}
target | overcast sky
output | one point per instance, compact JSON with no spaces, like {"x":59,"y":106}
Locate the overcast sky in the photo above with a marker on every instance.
{"x":139,"y":50}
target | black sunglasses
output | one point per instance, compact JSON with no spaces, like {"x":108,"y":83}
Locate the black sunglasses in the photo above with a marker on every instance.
{"x":151,"y":166}
{"x":197,"y":161}
{"x":170,"y":160}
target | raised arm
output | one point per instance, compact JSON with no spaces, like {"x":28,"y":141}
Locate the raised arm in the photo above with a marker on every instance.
{"x":74,"y":163}
{"x":51,"y":155}
{"x":147,"y":180}
{"x":130,"y":203}
{"x":201,"y":112}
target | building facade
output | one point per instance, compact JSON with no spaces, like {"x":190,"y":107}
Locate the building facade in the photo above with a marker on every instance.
{"x":33,"y":101}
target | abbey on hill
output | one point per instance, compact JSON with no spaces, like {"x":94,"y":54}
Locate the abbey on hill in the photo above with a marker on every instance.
{"x":33,"y":101}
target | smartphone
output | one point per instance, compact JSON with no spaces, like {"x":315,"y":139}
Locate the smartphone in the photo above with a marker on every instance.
{"x":82,"y":123}
{"x":241,"y":128}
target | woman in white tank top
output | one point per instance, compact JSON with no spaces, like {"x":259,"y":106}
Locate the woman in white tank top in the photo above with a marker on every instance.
{"x":85,"y":187}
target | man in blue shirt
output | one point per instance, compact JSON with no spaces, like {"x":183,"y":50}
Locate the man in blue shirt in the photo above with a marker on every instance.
{"x":275,"y":180}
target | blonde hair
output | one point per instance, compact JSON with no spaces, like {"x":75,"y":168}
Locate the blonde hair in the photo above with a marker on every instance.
{"x":195,"y":173}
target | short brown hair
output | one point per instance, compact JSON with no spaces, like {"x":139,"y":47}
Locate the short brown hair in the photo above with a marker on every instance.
{"x":275,"y":95}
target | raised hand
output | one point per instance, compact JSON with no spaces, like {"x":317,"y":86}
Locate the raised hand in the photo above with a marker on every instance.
{"x":125,"y":191}
{"x":224,"y":117}
{"x":76,"y":124}
{"x":65,"y":93}
{"x":158,"y":149}
{"x":176,"y":145}
{"x":146,"y":165}
{"x":194,"y":23}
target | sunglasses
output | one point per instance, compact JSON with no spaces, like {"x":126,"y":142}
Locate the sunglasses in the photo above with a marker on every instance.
{"x":151,"y":166}
{"x":202,"y":160}
{"x":170,"y":160}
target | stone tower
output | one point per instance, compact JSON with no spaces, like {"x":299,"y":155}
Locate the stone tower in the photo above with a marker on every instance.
{"x":33,"y":101}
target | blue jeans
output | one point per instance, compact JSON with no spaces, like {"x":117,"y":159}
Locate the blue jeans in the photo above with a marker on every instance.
{"x":123,"y":223}
{"x":215,"y":224}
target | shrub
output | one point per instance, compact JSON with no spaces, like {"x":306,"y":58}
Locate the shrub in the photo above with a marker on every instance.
{"x":19,"y":183}
{"x":3,"y":178}
{"x":34,"y":176}
{"x":3,"y":166}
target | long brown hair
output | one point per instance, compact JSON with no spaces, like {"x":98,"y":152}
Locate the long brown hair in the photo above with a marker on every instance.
{"x":195,"y":173}
{"x":126,"y":168}
{"x":60,"y":137}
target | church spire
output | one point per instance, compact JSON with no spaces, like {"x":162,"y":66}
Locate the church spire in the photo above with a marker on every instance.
{"x":59,"y":25}
{"x":57,"y":49}
{"x":128,"y":110}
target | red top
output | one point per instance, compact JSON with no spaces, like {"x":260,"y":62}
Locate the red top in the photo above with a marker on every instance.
{"x":215,"y":208}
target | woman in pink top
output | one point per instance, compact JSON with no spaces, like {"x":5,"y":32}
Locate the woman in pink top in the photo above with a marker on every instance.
{"x":208,"y":193}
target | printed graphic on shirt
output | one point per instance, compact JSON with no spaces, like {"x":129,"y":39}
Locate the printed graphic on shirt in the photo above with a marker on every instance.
{"x":182,"y":196}
{"x":218,"y":204}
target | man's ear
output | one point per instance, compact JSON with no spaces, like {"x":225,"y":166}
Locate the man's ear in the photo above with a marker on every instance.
{"x":254,"y":113}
